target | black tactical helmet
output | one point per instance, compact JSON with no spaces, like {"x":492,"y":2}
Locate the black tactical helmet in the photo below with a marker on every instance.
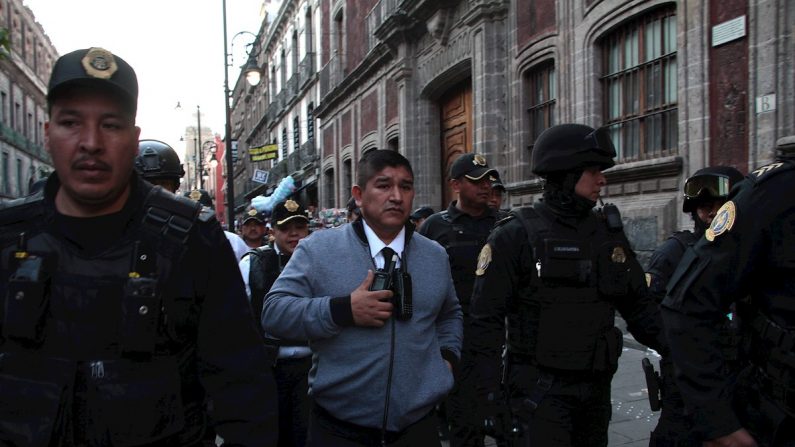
{"x":785,"y":148}
{"x":571,"y":147}
{"x":157,"y":159}
{"x":706,"y":184}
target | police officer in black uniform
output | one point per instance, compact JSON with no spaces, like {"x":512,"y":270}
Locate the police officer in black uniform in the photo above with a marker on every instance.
{"x":748,"y":251}
{"x":462,"y":230}
{"x":122,"y":309}
{"x":260,"y":268}
{"x":557,"y":271}
{"x":158,"y":163}
{"x":704,"y":193}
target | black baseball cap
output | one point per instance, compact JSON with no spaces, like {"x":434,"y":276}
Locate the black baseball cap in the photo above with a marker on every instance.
{"x":94,"y":67}
{"x":201,"y":196}
{"x":253,"y":213}
{"x":422,"y":212}
{"x":496,"y":183}
{"x":286,"y":211}
{"x":473,"y":166}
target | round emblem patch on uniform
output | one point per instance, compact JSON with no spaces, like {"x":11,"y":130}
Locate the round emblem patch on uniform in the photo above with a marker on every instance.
{"x":723,"y":221}
{"x":618,"y":256}
{"x":291,"y":205}
{"x":479,"y":160}
{"x":484,"y":259}
{"x":99,"y":63}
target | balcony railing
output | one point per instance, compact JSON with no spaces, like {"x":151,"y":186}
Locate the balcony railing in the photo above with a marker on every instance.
{"x":306,"y":69}
{"x":331,"y":75}
{"x":291,"y":87}
{"x":375,"y":18}
{"x":11,"y":136}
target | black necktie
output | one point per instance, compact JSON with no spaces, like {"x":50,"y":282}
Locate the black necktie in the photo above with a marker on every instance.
{"x":387,"y":253}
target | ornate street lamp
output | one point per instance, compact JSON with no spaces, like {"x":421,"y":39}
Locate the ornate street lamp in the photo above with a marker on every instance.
{"x":252,"y":77}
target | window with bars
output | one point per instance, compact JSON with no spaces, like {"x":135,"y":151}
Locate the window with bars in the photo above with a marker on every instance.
{"x":640,"y":86}
{"x":542,"y":94}
{"x":310,"y":122}
{"x":285,"y":149}
{"x":296,"y":133}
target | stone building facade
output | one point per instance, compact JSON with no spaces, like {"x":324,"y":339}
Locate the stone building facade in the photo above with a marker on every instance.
{"x":680,"y":85}
{"x":279,"y":110}
{"x":24,"y":74}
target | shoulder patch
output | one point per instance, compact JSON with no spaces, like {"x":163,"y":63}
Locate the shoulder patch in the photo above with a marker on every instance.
{"x":723,"y":222}
{"x":484,"y":259}
{"x":505,"y":220}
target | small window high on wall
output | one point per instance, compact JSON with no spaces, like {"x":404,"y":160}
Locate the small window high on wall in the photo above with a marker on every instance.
{"x":542,"y":94}
{"x":640,"y":86}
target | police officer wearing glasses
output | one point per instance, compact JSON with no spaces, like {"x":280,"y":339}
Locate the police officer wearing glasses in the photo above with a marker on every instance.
{"x":121,"y":308}
{"x":747,"y":258}
{"x":704,"y":193}
{"x":558,"y":271}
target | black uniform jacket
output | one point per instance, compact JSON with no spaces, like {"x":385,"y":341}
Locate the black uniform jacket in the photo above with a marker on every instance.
{"x":204,"y":340}
{"x":752,"y":253}
{"x":511,"y":275}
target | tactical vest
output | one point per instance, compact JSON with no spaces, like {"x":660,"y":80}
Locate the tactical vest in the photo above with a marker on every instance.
{"x":462,"y":246}
{"x":563,"y":318}
{"x":96,"y":339}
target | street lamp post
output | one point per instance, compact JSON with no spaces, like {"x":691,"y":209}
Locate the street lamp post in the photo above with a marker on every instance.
{"x":199,"y":179}
{"x":252,"y":77}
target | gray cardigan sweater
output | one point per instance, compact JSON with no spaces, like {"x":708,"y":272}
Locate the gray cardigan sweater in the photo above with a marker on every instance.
{"x":350,"y":365}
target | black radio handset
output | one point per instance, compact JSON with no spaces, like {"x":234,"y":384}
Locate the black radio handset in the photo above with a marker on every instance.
{"x":612,"y":216}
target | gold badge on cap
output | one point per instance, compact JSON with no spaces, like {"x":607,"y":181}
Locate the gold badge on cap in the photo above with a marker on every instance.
{"x":479,"y":160}
{"x":291,"y":206}
{"x":252,"y":212}
{"x":195,"y":195}
{"x":723,"y":221}
{"x":618,"y":256}
{"x":99,"y":63}
{"x":484,"y":259}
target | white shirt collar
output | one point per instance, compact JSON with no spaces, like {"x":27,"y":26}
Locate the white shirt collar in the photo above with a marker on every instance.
{"x":376,"y":245}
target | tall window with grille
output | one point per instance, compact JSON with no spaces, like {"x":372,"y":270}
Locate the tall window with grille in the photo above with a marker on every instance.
{"x":285,"y":144}
{"x":542,"y":94}
{"x":310,"y":122}
{"x":296,"y":133}
{"x":640,"y":86}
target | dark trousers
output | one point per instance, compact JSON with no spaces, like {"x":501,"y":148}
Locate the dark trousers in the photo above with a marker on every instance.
{"x":770,"y":420}
{"x":674,"y":427}
{"x":291,"y":382}
{"x":327,"y":431}
{"x":463,"y":414}
{"x":575,"y":411}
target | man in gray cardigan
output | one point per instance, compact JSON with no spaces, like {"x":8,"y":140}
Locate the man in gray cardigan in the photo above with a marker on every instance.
{"x":377,"y":372}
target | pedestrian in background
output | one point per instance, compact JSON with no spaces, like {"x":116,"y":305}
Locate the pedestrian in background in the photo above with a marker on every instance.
{"x":747,"y":258}
{"x":383,"y":358}
{"x":260,"y":268}
{"x":254,"y":230}
{"x":123,"y":308}
{"x":704,"y":193}
{"x":462,"y":230}
{"x":557,"y":271}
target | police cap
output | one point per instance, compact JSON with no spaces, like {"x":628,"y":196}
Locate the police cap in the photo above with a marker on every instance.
{"x":252,"y":213}
{"x":201,"y":196}
{"x":785,"y":148}
{"x":422,"y":212}
{"x":97,"y":68}
{"x":157,"y":159}
{"x":287,"y":211}
{"x":572,"y":147}
{"x":473,"y":166}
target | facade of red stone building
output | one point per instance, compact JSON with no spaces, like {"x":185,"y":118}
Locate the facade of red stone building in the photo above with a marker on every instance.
{"x":680,"y":85}
{"x":24,"y":74}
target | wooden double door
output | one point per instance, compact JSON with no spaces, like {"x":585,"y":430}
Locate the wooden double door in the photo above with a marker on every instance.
{"x":456,"y":132}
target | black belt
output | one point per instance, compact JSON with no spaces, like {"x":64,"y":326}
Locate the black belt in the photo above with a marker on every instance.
{"x":358,"y":433}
